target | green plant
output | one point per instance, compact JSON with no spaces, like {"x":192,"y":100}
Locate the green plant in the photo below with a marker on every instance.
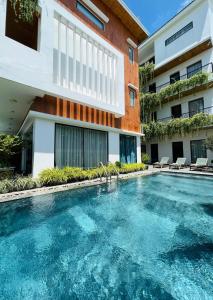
{"x":118,"y":164}
{"x":209,"y":143}
{"x":19,"y":183}
{"x":146,"y":73}
{"x":10,"y":145}
{"x":145,"y":158}
{"x":25,"y":10}
{"x":129,"y":168}
{"x":150,"y":101}
{"x":50,"y":177}
{"x":179,"y":126}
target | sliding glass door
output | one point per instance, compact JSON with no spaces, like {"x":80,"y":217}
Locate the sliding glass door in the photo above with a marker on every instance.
{"x":80,"y":147}
{"x":128,"y":149}
{"x":198,"y":150}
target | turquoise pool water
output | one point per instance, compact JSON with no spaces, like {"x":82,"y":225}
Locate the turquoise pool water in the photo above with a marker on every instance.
{"x":145,"y":238}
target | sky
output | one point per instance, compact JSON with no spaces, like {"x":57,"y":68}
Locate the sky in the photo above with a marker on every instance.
{"x":154,"y":13}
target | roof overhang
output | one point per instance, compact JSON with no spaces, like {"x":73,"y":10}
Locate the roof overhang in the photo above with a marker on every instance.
{"x":128,"y":19}
{"x":179,"y":58}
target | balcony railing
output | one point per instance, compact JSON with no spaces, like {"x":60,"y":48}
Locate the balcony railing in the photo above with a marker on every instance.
{"x":206,"y":110}
{"x":208,"y":68}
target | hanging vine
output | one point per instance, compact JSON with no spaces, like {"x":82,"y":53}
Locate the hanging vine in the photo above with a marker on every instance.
{"x":25,"y":10}
{"x":146,"y":73}
{"x":179,"y":126}
{"x":150,"y":101}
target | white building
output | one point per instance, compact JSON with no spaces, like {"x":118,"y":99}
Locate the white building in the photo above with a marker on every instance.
{"x":180,"y":49}
{"x":69,"y":83}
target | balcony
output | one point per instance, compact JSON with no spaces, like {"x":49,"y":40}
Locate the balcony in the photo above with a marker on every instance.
{"x":206,"y":69}
{"x":206,"y":110}
{"x":187,"y":123}
{"x":187,"y":84}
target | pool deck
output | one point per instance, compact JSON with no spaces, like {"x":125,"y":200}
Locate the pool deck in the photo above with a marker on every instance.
{"x":184,"y":171}
{"x":70,"y":186}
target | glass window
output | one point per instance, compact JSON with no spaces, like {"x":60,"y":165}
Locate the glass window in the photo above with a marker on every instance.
{"x":179,"y":33}
{"x":196,"y":106}
{"x":131,"y":55}
{"x":90,"y":15}
{"x":132,"y":98}
{"x":80,"y":147}
{"x":193,"y":69}
{"x":198,"y":150}
{"x":176,"y":111}
{"x":152,"y":88}
{"x":174,"y":77}
{"x":128,"y":153}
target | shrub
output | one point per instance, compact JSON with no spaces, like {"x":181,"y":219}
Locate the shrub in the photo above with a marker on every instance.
{"x":118,"y":164}
{"x":145,"y":158}
{"x":50,"y":177}
{"x":129,"y":168}
{"x":19,"y":183}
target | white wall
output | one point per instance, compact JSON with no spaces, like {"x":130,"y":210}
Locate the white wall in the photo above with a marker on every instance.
{"x":114,"y":147}
{"x":201,"y":18}
{"x":207,"y":95}
{"x":35,"y":68}
{"x":43,"y":145}
{"x":165,"y":147}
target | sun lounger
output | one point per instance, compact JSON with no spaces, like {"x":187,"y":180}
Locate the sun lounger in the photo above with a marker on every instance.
{"x":164,"y":162}
{"x":180,"y":163}
{"x":201,"y":163}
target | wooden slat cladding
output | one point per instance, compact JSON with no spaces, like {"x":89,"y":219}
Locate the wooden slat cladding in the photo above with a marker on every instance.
{"x":66,"y":109}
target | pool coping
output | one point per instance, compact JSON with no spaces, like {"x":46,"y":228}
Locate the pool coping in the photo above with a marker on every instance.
{"x":8,"y":197}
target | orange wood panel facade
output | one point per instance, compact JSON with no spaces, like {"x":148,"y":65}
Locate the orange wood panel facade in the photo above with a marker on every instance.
{"x":116,"y":33}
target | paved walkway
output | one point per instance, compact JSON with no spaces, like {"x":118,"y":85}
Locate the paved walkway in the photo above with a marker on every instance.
{"x":182,"y":171}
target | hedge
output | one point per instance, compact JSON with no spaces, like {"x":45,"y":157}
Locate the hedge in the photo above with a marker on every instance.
{"x":51,"y":177}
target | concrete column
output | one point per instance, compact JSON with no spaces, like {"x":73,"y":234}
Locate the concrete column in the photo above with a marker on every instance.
{"x":3,"y":8}
{"x":138,"y":149}
{"x":43,"y":145}
{"x":114,"y":147}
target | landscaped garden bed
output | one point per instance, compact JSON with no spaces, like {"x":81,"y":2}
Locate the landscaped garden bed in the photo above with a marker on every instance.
{"x":52,"y":177}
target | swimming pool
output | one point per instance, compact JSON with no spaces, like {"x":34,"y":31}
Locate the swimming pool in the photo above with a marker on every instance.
{"x":144,"y":238}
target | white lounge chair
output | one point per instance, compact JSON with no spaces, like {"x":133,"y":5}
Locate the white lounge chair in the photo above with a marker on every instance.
{"x":200,"y":164}
{"x":180,"y":163}
{"x":163,"y":162}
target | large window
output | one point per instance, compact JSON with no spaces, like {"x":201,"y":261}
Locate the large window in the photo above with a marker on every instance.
{"x":198,"y":150}
{"x":128,"y":149}
{"x":179,"y":33}
{"x":84,"y":10}
{"x":80,"y":147}
{"x":25,"y":33}
{"x":194,"y":68}
{"x":196,"y":106}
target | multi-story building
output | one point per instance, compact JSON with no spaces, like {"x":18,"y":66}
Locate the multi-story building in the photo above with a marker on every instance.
{"x":69,"y":83}
{"x":182,"y":53}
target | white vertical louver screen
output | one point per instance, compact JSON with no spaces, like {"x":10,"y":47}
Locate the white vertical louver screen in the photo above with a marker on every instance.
{"x":82,"y":65}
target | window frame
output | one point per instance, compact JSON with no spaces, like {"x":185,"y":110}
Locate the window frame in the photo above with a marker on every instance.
{"x":90,"y":15}
{"x":132,"y":104}
{"x":179,"y":33}
{"x":192,"y":73}
{"x":192,"y":113}
{"x":170,"y":77}
{"x":131,"y":55}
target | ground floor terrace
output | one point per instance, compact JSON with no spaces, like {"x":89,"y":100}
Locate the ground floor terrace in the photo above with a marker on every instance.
{"x":191,"y":147}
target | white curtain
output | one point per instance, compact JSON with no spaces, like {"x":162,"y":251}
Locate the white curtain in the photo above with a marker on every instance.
{"x":80,"y":147}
